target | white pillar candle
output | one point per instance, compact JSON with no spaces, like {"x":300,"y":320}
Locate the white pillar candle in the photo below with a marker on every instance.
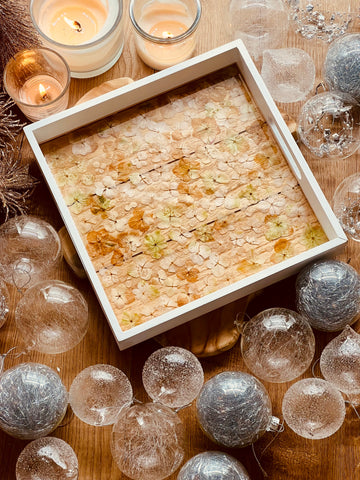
{"x":165,"y":30}
{"x":87,"y":33}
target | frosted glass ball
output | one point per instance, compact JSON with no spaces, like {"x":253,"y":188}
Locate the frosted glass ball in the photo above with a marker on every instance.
{"x":328,"y":294}
{"x":52,"y":317}
{"x":148,"y":441}
{"x":346,"y":205}
{"x":47,"y":458}
{"x":277,"y":345}
{"x":172,"y":376}
{"x":342,"y":65}
{"x":30,"y":248}
{"x":328,"y":125}
{"x":98,"y":393}
{"x":256,"y":23}
{"x":33,"y":401}
{"x":313,"y":408}
{"x":213,"y":466}
{"x":340,"y":361}
{"x":234,"y":409}
{"x":4,"y":303}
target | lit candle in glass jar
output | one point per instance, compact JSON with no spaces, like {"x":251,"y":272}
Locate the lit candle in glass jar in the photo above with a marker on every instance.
{"x":87,"y":33}
{"x":38,"y":81}
{"x":165,"y":30}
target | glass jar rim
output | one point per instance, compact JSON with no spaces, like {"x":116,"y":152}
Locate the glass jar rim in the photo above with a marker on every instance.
{"x":170,"y":40}
{"x":80,"y":46}
{"x":65,"y":88}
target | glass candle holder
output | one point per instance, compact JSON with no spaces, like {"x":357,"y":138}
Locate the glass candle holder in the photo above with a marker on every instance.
{"x":89,"y":34}
{"x":38,"y":81}
{"x":165,"y":30}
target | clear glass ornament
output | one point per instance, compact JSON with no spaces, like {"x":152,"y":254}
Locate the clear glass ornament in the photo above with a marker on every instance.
{"x":327,"y":294}
{"x":47,"y":458}
{"x":4,"y":303}
{"x":30,"y":248}
{"x":234,"y":409}
{"x":148,"y":441}
{"x":33,"y":401}
{"x":342,"y":65}
{"x":329,"y":125}
{"x":277,"y":345}
{"x":52,"y":317}
{"x":289,"y":73}
{"x":312,"y":20}
{"x":346,"y":205}
{"x":173,"y":376}
{"x":313,"y":408}
{"x":256,"y":22}
{"x":340,"y":361}
{"x":98,"y":393}
{"x":213,"y":466}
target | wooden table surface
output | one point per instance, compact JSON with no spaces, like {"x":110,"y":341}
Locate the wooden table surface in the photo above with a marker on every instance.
{"x":289,"y":456}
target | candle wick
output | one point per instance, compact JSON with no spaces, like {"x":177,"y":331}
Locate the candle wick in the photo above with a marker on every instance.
{"x":43,"y":93}
{"x":77,"y":26}
{"x":74,"y":24}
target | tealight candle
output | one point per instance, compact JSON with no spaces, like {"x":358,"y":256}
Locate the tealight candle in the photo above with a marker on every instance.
{"x":165,"y":30}
{"x":87,"y":33}
{"x":38,"y":81}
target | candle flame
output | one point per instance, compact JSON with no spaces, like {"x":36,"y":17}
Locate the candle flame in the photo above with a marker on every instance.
{"x":167,"y":35}
{"x":42,"y":91}
{"x":74,"y":24}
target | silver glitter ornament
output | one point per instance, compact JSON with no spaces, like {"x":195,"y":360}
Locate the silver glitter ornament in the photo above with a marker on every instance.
{"x":33,"y":401}
{"x":213,"y":466}
{"x":234,"y":409}
{"x":342,"y":65}
{"x":148,"y":441}
{"x":47,"y":458}
{"x":328,"y":295}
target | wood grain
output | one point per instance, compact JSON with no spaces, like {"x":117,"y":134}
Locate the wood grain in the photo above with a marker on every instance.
{"x":288,"y":457}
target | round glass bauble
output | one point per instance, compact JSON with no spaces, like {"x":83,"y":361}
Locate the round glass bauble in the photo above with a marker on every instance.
{"x":329,"y":125}
{"x":213,"y":466}
{"x":313,"y":408}
{"x":172,"y":376}
{"x":30,"y":249}
{"x":148,"y":441}
{"x":256,"y":23}
{"x":4,"y":303}
{"x":277,"y":345}
{"x":33,"y":401}
{"x":234,"y":409}
{"x":346,"y":205}
{"x":342,"y":65}
{"x":47,"y":458}
{"x":98,"y":393}
{"x":340,"y":361}
{"x":328,"y":294}
{"x":52,"y":317}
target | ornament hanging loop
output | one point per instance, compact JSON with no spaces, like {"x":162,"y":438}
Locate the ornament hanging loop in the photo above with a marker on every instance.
{"x":320,"y":88}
